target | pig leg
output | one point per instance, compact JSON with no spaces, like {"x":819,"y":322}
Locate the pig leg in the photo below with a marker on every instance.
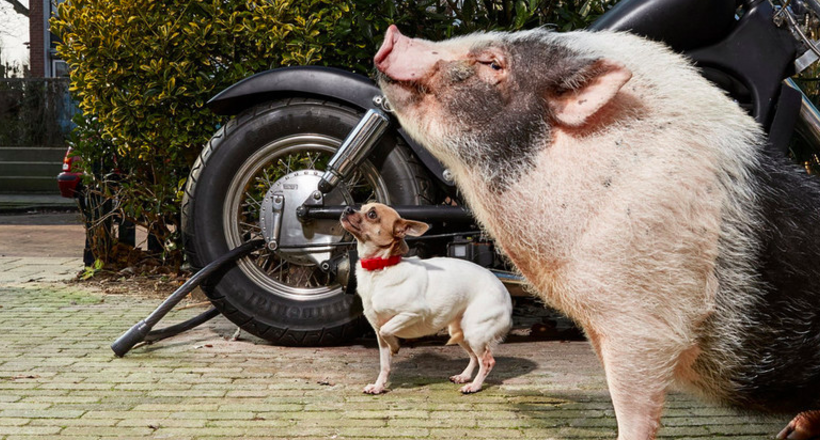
{"x":384,"y":372}
{"x":637,"y":380}
{"x":465,"y":375}
{"x":805,"y":426}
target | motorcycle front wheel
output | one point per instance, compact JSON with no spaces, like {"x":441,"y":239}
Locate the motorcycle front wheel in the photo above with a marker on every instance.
{"x":283,"y":296}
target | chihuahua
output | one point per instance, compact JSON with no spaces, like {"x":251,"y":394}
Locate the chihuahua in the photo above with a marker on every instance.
{"x":411,"y":298}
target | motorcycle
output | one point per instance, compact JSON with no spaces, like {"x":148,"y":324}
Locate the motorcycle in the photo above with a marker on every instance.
{"x":308,"y":141}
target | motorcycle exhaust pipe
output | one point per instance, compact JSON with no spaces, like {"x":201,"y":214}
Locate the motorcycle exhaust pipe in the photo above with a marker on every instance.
{"x":358,"y":145}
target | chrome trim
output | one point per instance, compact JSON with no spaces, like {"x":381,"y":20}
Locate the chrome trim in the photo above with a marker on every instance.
{"x":355,"y":148}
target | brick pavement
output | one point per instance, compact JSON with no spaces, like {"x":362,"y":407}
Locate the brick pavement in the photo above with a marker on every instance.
{"x":59,"y":379}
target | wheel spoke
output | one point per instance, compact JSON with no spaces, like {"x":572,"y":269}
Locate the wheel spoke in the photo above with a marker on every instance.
{"x":293,"y":272}
{"x":250,"y":226}
{"x":251,"y":201}
{"x":278,"y":267}
{"x":314,"y":280}
{"x":268,"y":183}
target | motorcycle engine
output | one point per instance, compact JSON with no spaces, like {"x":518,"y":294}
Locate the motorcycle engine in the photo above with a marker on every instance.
{"x":479,"y":252}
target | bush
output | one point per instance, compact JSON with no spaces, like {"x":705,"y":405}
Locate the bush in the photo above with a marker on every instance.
{"x":143,"y":71}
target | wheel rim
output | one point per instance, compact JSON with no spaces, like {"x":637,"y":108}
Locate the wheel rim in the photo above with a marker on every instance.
{"x":265,"y":268}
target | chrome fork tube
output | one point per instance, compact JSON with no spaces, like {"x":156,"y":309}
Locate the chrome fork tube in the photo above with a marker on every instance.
{"x":355,"y":148}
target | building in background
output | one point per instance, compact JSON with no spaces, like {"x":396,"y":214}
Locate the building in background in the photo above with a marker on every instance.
{"x":35,"y":110}
{"x":45,"y":63}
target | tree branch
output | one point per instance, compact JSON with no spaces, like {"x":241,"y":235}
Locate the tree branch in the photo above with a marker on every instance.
{"x":19,"y":7}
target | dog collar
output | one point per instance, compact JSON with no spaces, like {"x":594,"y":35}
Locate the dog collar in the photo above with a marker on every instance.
{"x":379,"y":262}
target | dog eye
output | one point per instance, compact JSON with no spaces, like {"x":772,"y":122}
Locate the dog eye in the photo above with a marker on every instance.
{"x":371,"y":215}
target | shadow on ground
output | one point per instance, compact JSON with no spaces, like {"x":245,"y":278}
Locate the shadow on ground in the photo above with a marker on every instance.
{"x":423,"y":368}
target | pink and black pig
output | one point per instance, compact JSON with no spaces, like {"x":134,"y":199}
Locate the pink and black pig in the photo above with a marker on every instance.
{"x":635,"y":197}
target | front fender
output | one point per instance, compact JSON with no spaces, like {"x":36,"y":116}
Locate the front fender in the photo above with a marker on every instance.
{"x":317,"y":81}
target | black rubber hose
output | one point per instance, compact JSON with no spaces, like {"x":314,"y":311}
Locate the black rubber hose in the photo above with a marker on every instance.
{"x":196,"y":321}
{"x":141,"y":330}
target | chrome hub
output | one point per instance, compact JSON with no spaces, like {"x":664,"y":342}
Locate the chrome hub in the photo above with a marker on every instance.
{"x":281,"y":226}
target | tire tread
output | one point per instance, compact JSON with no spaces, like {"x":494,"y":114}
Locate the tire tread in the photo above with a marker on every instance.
{"x":424,"y":194}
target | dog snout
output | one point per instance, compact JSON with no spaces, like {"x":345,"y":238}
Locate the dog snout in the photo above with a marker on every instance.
{"x":348,"y":211}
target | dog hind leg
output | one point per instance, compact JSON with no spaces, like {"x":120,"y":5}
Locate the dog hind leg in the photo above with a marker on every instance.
{"x":465,"y":375}
{"x":805,"y":425}
{"x":392,"y":342}
{"x":486,"y":364}
{"x":456,"y":334}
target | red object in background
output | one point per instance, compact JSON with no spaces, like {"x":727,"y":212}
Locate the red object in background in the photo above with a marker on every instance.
{"x":70,"y":179}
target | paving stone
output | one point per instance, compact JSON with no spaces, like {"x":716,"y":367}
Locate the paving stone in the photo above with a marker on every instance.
{"x":29,"y":430}
{"x":58,"y":379}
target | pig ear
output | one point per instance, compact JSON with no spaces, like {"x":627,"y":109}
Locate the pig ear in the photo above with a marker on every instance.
{"x":584,"y":92}
{"x":403,"y":228}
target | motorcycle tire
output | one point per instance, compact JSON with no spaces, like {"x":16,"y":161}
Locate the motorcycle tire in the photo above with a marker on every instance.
{"x":287,"y":132}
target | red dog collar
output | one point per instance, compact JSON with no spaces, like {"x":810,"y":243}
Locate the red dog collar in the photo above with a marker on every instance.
{"x":379,"y":262}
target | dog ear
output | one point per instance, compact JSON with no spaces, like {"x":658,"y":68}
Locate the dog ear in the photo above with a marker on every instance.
{"x":403,"y":228}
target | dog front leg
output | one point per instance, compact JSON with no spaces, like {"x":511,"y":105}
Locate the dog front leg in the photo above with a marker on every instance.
{"x":384,"y":371}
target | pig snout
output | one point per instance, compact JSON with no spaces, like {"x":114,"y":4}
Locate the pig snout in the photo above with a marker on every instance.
{"x":404,"y":59}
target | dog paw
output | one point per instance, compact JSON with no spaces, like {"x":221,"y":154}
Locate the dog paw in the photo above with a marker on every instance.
{"x":470,"y":389}
{"x":459,"y":378}
{"x":805,"y":425}
{"x":374,"y":389}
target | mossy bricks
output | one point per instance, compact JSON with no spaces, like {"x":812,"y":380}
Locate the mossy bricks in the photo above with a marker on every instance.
{"x":58,"y":378}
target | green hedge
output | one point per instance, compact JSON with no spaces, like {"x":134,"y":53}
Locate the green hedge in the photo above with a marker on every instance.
{"x":143,"y":70}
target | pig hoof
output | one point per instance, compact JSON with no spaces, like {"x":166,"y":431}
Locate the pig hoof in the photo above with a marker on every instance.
{"x":470,"y":389}
{"x":459,"y":379}
{"x":374,"y":389}
{"x":805,"y":425}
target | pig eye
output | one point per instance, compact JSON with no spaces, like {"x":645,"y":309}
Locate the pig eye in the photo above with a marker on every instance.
{"x":493,"y":64}
{"x":371,"y":215}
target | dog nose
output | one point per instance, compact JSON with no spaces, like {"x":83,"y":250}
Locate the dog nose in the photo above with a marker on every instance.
{"x":349,"y":210}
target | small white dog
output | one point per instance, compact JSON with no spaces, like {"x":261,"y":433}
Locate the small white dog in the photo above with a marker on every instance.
{"x":411,"y":298}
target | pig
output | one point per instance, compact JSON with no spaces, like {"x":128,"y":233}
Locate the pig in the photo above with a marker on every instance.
{"x":638,"y":199}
